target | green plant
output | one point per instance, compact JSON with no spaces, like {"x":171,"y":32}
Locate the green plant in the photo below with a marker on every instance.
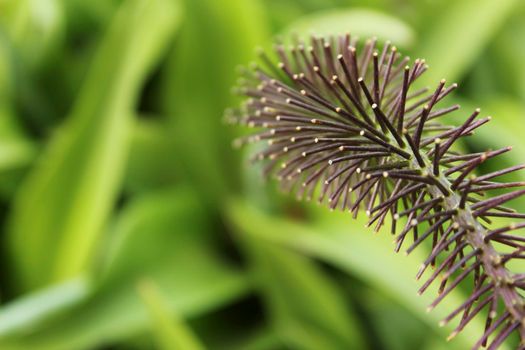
{"x":345,"y":122}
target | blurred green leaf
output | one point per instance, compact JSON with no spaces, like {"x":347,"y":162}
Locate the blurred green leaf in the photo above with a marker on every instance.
{"x":362,"y":22}
{"x":170,"y":332}
{"x":151,"y":163}
{"x":35,"y":27}
{"x":160,"y":237}
{"x":338,"y":240}
{"x":70,"y":193}
{"x":16,"y":150}
{"x":15,"y":153}
{"x":507,"y":56}
{"x":24,"y":314}
{"x":452,"y":43}
{"x":215,"y":38}
{"x":307,"y":308}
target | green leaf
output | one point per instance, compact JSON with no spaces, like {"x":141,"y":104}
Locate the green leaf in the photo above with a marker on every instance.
{"x":170,"y":332}
{"x":151,"y":163}
{"x":34,"y":27}
{"x":307,"y":309}
{"x":27,"y":312}
{"x":216,"y":37}
{"x":457,"y":38}
{"x":161,"y":237}
{"x":338,"y":240}
{"x":362,"y":22}
{"x":71,"y":191}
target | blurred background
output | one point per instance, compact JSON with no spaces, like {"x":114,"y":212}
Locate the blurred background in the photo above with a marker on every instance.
{"x":128,"y":222}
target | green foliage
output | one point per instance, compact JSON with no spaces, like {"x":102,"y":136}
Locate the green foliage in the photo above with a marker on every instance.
{"x":361,"y":22}
{"x":129,"y":222}
{"x":70,"y":192}
{"x":170,"y":334}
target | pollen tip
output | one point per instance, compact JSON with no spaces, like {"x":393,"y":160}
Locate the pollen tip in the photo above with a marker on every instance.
{"x":396,"y":216}
{"x":341,"y":148}
{"x":313,"y":121}
{"x":316,"y":68}
{"x":360,"y":79}
{"x":316,"y":140}
{"x":374,"y":105}
{"x":303,"y":92}
{"x":303,"y":154}
{"x":288,"y":100}
{"x":385,"y":174}
{"x":362,"y":132}
{"x":443,"y":81}
{"x":339,"y":57}
{"x":452,"y":335}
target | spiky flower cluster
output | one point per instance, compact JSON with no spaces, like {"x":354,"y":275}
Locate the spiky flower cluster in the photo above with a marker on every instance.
{"x":343,"y":122}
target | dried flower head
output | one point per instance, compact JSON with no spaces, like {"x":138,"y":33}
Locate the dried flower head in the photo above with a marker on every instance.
{"x":343,"y":122}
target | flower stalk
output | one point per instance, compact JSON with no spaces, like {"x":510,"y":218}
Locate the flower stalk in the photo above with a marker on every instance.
{"x":343,"y":123}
